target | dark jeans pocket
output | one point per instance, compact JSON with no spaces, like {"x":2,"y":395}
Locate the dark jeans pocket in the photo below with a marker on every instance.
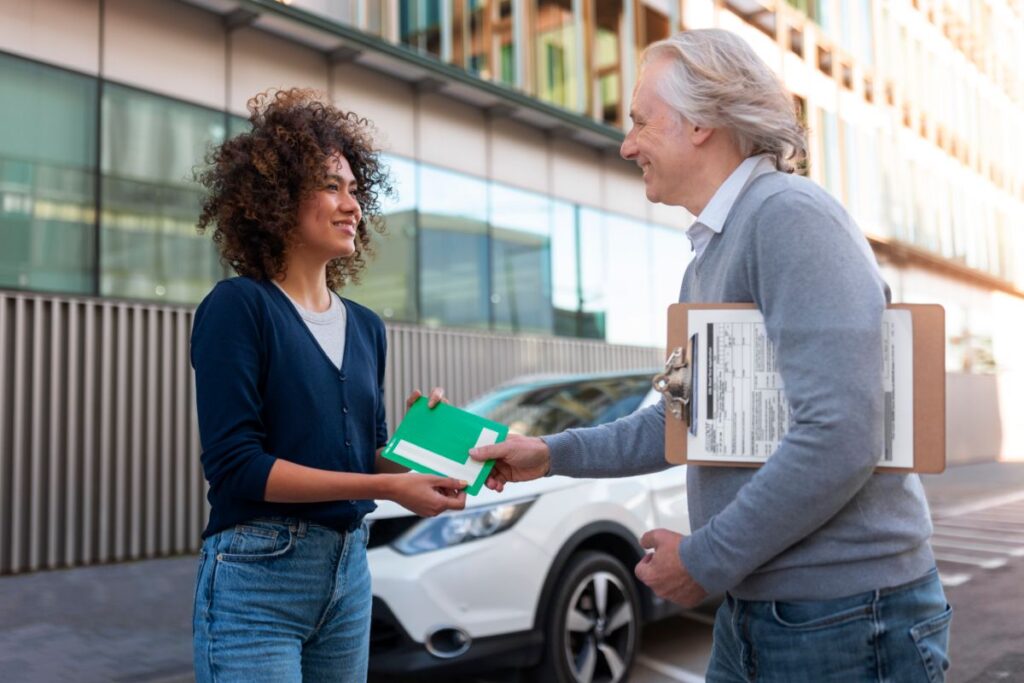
{"x":258,"y":541}
{"x":932,"y":639}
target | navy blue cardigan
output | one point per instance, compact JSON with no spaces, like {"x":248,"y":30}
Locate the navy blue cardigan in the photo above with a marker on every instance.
{"x":266,"y":390}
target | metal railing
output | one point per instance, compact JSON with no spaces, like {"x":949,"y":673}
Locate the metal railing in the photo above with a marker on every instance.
{"x":99,"y":450}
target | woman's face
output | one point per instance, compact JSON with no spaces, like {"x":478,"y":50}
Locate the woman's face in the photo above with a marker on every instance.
{"x":329,"y":217}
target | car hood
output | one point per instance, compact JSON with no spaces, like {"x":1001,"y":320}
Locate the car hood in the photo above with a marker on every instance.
{"x":387,"y":509}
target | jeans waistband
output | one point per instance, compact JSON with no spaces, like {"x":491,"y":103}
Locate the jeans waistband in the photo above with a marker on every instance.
{"x":929,"y":576}
{"x":300,"y":526}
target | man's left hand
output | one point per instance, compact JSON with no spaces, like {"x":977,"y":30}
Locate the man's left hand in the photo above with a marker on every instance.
{"x":663,"y":570}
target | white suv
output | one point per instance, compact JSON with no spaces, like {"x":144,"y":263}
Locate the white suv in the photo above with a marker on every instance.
{"x":538,"y":576}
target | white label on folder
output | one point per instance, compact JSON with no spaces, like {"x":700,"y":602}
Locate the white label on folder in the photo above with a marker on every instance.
{"x":741,"y":410}
{"x":467,"y":471}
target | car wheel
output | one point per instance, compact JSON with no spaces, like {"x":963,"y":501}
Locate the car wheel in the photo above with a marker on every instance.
{"x":592,"y":631}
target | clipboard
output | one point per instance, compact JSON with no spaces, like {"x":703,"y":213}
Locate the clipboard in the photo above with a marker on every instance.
{"x":684,"y":365}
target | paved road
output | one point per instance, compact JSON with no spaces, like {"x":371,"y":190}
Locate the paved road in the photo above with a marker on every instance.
{"x":131,"y":622}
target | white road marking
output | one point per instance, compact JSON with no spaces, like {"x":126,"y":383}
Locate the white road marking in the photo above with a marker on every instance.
{"x":953,"y":579}
{"x":979,"y":505}
{"x":674,"y":672}
{"x":975,"y":535}
{"x":1013,"y":551}
{"x":995,"y":527}
{"x":991,"y":563}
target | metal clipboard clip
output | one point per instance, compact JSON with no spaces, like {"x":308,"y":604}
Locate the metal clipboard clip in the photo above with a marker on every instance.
{"x":675,"y":384}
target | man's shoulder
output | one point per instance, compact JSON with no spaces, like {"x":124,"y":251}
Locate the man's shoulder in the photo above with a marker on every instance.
{"x":779,"y":189}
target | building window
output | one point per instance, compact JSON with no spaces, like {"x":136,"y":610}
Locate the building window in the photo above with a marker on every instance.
{"x":47,"y":178}
{"x":607,"y":62}
{"x":149,"y":248}
{"x":482,"y":38}
{"x":565,"y":270}
{"x":388,"y":283}
{"x":520,"y":260}
{"x":555,"y":32}
{"x":419,"y":23}
{"x":454,"y":250}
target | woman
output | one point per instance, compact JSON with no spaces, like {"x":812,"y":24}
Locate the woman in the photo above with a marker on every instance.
{"x":289,"y":391}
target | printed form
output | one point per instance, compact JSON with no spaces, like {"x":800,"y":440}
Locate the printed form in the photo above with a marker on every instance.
{"x":741,"y":413}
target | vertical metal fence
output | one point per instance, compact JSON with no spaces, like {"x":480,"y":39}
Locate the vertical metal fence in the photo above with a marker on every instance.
{"x":99,"y":450}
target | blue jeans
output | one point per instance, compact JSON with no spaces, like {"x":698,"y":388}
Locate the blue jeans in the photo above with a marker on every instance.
{"x":897,"y":635}
{"x":282,"y":600}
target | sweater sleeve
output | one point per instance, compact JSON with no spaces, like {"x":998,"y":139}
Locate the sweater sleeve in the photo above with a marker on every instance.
{"x":634,"y":444}
{"x":227,"y":359}
{"x":822,"y":301}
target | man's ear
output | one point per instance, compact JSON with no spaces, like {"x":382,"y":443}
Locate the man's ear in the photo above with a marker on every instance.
{"x":700,"y":134}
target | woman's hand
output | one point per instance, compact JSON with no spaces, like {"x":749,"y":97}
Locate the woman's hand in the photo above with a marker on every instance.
{"x":426,"y":494}
{"x":436,"y":396}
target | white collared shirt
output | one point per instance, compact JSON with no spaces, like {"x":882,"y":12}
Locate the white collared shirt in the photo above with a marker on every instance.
{"x":712,"y":219}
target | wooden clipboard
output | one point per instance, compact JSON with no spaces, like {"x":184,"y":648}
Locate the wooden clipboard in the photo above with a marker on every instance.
{"x":929,"y":379}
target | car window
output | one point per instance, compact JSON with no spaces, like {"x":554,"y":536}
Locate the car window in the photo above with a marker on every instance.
{"x":584,"y":403}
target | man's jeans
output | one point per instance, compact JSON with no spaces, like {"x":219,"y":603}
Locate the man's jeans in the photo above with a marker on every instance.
{"x":897,"y":635}
{"x":282,"y":600}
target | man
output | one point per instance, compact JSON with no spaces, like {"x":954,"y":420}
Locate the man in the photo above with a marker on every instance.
{"x":826,"y":566}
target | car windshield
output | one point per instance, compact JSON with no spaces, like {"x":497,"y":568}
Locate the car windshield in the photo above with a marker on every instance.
{"x":534,"y":410}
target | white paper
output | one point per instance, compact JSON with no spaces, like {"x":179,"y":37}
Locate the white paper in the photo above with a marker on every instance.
{"x":741,"y":410}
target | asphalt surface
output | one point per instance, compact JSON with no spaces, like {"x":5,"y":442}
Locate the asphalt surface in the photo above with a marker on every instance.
{"x":132,"y":621}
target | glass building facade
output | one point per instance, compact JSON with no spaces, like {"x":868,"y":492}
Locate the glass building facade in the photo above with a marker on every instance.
{"x":912,"y":109}
{"x":913,"y":105}
{"x":98,"y":198}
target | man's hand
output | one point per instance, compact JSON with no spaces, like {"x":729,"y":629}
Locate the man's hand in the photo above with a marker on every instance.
{"x":517,"y":458}
{"x":663,"y":570}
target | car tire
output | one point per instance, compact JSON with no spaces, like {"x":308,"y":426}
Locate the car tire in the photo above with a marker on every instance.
{"x":590,"y":638}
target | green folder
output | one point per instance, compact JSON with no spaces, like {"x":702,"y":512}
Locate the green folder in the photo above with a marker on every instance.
{"x":437,"y":441}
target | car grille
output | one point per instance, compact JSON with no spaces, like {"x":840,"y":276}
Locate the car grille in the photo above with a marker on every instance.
{"x":386,"y":531}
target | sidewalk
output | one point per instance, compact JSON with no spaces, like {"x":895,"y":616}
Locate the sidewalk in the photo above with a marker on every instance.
{"x":132,"y":621}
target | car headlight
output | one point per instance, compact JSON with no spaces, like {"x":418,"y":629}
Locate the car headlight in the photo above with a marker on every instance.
{"x":461,"y":527}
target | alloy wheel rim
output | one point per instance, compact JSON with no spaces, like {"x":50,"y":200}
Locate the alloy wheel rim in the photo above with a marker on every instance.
{"x":600,"y":630}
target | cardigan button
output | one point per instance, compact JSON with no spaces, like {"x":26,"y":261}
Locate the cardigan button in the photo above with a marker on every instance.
{"x":348,"y":443}
{"x":345,"y":410}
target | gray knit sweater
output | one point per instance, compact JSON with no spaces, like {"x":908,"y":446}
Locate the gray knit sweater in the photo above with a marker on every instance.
{"x":814,"y":523}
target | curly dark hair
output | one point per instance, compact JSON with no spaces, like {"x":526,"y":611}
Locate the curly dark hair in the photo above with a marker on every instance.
{"x":256,"y":180}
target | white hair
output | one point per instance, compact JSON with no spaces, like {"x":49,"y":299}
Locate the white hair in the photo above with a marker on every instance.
{"x":716,"y":80}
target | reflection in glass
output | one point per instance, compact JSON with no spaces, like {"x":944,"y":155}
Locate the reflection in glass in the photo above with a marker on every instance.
{"x":149,"y":246}
{"x":534,"y":411}
{"x":593,"y":274}
{"x":565,"y":281}
{"x":628,"y":294}
{"x":388,"y":284}
{"x":521,"y":260}
{"x":47,"y":178}
{"x":671,"y":253}
{"x":453,"y":249}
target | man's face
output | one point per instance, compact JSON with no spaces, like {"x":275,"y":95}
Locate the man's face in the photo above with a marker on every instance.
{"x":658,"y":141}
